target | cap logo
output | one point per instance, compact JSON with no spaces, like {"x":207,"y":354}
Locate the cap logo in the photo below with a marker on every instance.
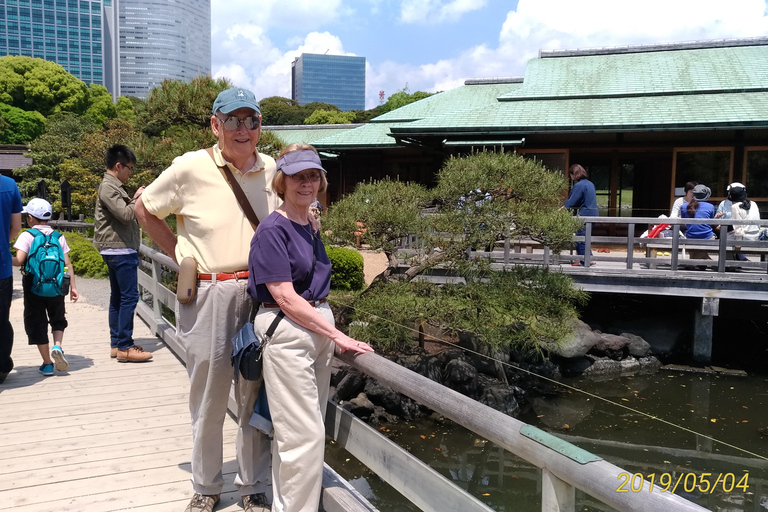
{"x":240,"y":94}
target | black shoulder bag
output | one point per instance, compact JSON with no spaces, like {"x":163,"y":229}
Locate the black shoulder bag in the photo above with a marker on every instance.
{"x":247,"y":346}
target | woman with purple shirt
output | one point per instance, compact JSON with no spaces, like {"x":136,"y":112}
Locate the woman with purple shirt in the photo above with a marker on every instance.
{"x":290,"y":273}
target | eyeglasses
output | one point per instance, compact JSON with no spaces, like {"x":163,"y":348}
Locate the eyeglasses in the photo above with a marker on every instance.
{"x":128,"y":166}
{"x":314,"y":177}
{"x":232,"y":122}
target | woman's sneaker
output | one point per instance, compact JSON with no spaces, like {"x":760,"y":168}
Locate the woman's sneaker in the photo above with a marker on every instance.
{"x":46,"y":369}
{"x":57,"y":354}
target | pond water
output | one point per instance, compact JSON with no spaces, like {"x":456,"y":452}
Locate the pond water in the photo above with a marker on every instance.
{"x":668,"y":423}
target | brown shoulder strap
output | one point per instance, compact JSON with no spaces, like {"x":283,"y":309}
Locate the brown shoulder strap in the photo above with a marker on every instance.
{"x":239,"y":194}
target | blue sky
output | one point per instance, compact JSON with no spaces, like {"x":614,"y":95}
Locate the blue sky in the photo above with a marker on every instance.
{"x":434,"y":45}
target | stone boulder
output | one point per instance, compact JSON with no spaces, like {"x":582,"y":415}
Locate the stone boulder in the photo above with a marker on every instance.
{"x":611,"y":346}
{"x":638,"y":347}
{"x":576,"y":344}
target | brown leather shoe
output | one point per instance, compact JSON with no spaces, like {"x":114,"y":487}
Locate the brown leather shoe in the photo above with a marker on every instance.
{"x":256,"y":503}
{"x":202,"y":503}
{"x":135,"y":354}
{"x":113,"y":351}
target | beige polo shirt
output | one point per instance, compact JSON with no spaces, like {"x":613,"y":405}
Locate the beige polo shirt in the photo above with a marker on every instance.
{"x":210,"y":224}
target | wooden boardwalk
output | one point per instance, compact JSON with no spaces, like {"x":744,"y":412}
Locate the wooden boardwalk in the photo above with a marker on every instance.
{"x":103,"y":436}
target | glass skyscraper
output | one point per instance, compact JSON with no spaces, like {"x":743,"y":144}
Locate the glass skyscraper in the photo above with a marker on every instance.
{"x":68,"y":32}
{"x":161,"y":39}
{"x":335,"y":79}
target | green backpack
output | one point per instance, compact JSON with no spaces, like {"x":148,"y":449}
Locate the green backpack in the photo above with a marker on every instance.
{"x":45,"y":263}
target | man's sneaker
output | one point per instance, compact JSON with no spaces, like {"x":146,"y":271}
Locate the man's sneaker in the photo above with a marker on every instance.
{"x":46,"y":369}
{"x":57,"y":355}
{"x":202,"y":503}
{"x":256,"y":503}
{"x":135,"y":354}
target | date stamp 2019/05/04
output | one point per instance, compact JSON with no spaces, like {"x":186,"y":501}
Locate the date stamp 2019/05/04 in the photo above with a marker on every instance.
{"x":688,"y":482}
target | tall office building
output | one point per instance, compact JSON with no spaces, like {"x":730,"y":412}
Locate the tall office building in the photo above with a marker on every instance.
{"x":335,"y":79}
{"x":161,"y":39}
{"x":68,"y":32}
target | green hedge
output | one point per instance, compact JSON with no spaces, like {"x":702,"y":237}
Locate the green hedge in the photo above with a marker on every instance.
{"x":347,"y":269}
{"x":86,"y":260}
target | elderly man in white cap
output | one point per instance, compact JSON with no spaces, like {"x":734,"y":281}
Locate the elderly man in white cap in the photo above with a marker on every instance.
{"x":213,"y":229}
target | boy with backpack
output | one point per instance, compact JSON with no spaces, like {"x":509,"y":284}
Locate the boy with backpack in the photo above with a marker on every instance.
{"x":43,"y":253}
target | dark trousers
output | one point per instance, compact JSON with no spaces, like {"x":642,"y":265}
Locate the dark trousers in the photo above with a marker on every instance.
{"x":6,"y":329}
{"x":124,"y":295}
{"x":41,"y":311}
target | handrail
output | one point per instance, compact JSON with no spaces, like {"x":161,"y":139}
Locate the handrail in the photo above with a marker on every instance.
{"x":564,"y":466}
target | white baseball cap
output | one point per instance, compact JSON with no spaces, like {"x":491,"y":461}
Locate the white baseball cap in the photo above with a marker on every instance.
{"x":39,"y":209}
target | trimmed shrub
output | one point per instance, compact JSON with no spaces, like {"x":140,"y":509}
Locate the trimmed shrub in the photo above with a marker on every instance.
{"x":86,"y":260}
{"x":347,"y":269}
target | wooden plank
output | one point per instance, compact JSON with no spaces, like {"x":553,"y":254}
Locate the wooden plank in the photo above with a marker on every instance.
{"x":400,"y":469}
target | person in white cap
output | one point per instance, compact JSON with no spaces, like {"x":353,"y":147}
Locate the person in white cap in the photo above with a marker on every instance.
{"x":39,"y":311}
{"x":213,"y":229}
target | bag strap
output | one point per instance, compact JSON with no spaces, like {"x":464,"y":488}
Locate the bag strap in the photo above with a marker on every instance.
{"x":242,"y":199}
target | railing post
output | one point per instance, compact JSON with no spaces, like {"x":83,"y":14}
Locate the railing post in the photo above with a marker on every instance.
{"x":587,"y":243}
{"x":675,"y":245}
{"x":721,"y":254}
{"x":157,"y":310}
{"x":556,"y":495}
{"x":630,"y":245}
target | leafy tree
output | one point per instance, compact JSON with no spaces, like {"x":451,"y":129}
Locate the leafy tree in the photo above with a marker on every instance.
{"x":125,"y":109}
{"x":61,"y":141}
{"x":178,"y":103}
{"x":478,"y":199}
{"x":279,"y":111}
{"x":101,"y":107}
{"x":36,"y":84}
{"x":402,"y":98}
{"x":330,"y":117}
{"x":19,"y":126}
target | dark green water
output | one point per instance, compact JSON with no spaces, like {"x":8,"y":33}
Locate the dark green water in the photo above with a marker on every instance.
{"x":730,"y":410}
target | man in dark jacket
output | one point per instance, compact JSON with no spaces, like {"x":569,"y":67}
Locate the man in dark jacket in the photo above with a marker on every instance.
{"x":116,"y":236}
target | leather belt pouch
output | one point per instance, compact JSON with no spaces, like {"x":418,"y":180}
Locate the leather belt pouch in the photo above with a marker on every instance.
{"x":186,"y":288}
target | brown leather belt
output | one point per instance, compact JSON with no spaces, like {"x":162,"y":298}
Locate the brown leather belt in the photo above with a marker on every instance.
{"x":224,"y":276}
{"x":312,"y":303}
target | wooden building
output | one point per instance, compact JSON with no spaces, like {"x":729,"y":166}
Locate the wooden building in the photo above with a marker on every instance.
{"x":643,"y":120}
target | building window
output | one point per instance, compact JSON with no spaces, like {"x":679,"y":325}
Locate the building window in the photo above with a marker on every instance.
{"x":756,"y":164}
{"x":708,"y":166}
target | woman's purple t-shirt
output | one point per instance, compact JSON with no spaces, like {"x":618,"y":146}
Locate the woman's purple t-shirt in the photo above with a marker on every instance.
{"x":281,"y":250}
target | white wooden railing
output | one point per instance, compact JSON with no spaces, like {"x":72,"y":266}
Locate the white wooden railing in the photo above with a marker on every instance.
{"x":564,"y":467}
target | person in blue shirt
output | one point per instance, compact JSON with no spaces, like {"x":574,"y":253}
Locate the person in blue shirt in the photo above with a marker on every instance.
{"x":10,"y":225}
{"x":583,"y":199}
{"x":699,"y":208}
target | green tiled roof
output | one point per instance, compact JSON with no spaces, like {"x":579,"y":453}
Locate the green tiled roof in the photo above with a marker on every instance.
{"x":477,"y":94}
{"x":375,"y":134}
{"x":371,"y":135}
{"x":646,"y":73}
{"x":731,"y":110}
{"x":308,"y":134}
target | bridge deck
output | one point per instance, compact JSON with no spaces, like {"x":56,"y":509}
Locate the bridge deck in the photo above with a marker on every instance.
{"x":103,"y":436}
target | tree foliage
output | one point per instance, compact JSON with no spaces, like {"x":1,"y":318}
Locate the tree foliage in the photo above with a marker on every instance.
{"x":478,"y":199}
{"x":101,"y":107}
{"x":179,"y":103}
{"x":321,"y":116}
{"x":402,"y":98}
{"x":38,"y":85}
{"x":19,"y":126}
{"x":279,"y":111}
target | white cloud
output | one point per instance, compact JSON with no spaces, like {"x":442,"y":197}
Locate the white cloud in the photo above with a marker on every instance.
{"x":264,"y":69}
{"x":249,"y":52}
{"x":436,"y":11}
{"x":560,"y":24}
